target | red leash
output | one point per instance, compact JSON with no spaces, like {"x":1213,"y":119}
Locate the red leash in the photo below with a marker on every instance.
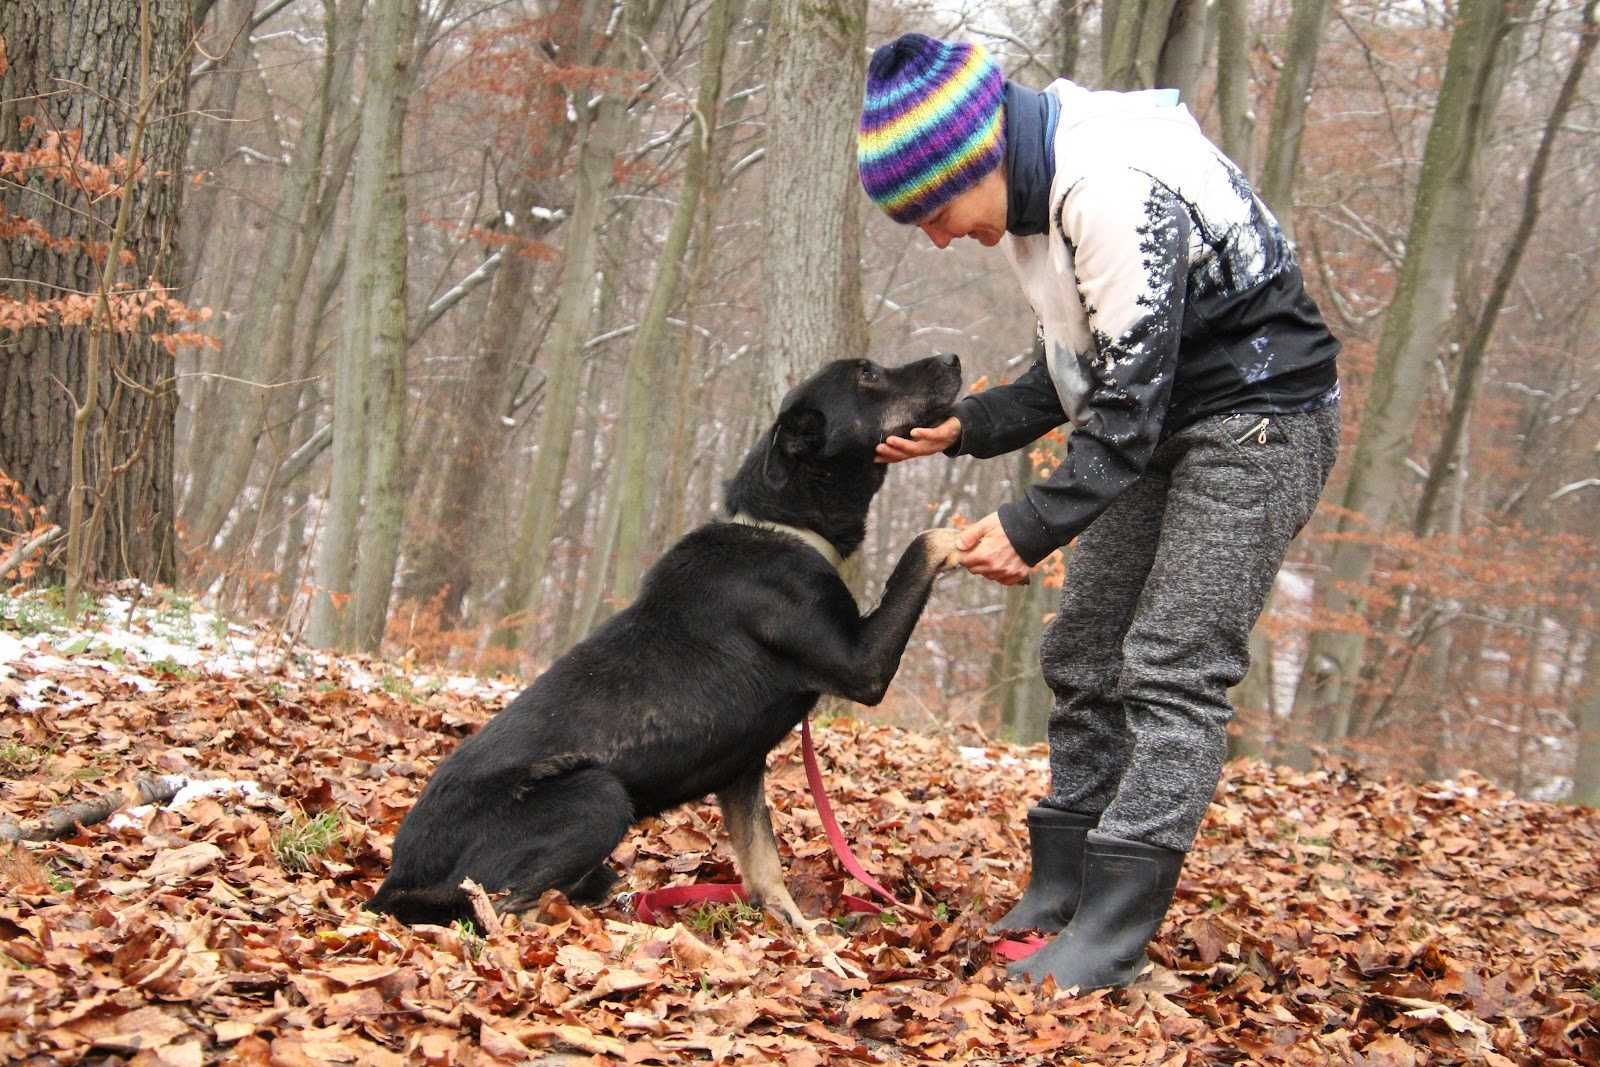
{"x":648,"y":905}
{"x":830,"y":826}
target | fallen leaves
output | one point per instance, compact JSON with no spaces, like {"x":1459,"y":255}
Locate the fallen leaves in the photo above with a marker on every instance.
{"x":1325,"y":917}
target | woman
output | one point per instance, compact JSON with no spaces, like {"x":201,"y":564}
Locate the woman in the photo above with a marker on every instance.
{"x":1199,"y":379}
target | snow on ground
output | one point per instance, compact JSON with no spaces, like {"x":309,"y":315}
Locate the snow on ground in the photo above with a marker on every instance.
{"x":121,"y":635}
{"x":189,"y":791}
{"x":128,"y":637}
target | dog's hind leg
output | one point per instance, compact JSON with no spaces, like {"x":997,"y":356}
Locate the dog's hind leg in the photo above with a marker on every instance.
{"x":581,"y":817}
{"x":755,"y":847}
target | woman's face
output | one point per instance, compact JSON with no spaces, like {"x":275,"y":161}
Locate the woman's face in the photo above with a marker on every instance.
{"x":979,"y":213}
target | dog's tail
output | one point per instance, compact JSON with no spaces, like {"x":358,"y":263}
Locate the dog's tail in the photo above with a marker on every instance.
{"x":438,"y":905}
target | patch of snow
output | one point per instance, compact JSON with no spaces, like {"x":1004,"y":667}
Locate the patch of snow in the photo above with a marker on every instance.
{"x":141,"y":630}
{"x":1554,"y":791}
{"x":188,"y":792}
{"x":11,"y":651}
{"x":34,"y":689}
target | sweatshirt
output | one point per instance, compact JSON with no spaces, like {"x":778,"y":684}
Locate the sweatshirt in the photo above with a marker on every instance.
{"x":1164,"y":289}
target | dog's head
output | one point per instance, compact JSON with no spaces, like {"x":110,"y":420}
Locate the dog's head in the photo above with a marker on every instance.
{"x":842,"y":412}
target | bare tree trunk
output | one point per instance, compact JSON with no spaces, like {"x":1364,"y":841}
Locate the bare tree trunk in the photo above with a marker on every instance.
{"x":226,"y":446}
{"x":1014,"y":682}
{"x":1253,"y":697}
{"x":1233,"y":83}
{"x":1586,"y":717}
{"x":1134,"y":32}
{"x":1306,"y":21}
{"x":214,"y":97}
{"x":442,"y":562}
{"x":689,"y":388}
{"x":643,"y":417}
{"x":378,"y":549}
{"x":1470,"y":369}
{"x":1183,"y":49}
{"x":597,"y":137}
{"x":369,"y":383}
{"x":1439,"y":237}
{"x":45,"y":371}
{"x":813,"y":234}
{"x":1068,"y":32}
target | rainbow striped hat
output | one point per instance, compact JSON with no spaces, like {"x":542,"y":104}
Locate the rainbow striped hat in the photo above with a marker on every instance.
{"x":931,"y":124}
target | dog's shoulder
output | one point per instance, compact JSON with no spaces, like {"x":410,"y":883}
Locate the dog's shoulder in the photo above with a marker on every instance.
{"x":731,"y":547}
{"x":726,"y":570}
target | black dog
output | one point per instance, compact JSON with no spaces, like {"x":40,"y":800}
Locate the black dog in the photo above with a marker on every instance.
{"x":736,"y":632}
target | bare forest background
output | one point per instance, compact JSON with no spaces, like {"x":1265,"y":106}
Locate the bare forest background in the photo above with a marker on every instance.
{"x":422,"y":326}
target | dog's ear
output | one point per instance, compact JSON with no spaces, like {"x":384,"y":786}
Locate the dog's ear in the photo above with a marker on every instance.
{"x":797,"y":435}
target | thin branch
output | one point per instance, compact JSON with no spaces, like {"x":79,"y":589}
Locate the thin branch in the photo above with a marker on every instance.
{"x":26,"y":551}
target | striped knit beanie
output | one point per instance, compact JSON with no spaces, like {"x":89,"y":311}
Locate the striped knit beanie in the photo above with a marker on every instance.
{"x":930,"y":124}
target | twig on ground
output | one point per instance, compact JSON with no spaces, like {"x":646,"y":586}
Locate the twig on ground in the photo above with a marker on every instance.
{"x":63,"y":821}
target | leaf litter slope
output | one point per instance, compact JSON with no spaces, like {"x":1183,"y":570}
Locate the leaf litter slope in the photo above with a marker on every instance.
{"x":1323,"y":918}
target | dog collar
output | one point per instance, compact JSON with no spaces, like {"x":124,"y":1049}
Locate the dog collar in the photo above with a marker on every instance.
{"x":810,"y":537}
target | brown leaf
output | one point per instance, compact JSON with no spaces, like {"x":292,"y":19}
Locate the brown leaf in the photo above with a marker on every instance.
{"x":142,"y":1028}
{"x":181,"y":863}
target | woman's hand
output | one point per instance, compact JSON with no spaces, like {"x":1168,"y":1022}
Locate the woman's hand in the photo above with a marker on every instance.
{"x":987,"y":552}
{"x":924,"y":441}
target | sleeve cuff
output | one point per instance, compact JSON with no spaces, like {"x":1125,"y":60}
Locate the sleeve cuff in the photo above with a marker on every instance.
{"x":974,"y":425}
{"x":1029,"y":536}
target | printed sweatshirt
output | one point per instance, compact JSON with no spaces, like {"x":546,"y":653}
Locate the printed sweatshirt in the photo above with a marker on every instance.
{"x":1165,"y":292}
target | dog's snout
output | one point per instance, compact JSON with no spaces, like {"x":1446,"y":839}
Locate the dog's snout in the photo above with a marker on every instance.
{"x":949,"y":359}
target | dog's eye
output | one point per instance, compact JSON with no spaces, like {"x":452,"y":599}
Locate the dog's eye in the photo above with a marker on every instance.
{"x":869,"y":373}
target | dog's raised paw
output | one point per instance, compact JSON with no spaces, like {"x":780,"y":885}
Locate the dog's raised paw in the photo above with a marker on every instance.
{"x":943,"y":547}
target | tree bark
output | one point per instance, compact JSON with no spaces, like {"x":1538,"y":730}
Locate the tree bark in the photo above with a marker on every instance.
{"x":1306,"y":21}
{"x":1252,"y":698}
{"x":216,"y":97}
{"x":1439,"y":237}
{"x":1586,"y":717}
{"x":1233,"y":83}
{"x":441,"y":565}
{"x":369,"y":380}
{"x":1133,"y":35}
{"x":1470,"y":369}
{"x":262,"y":345}
{"x":597,"y":138}
{"x":1068,"y":31}
{"x":1015,"y":683}
{"x":643,"y":417}
{"x":1183,"y":48}
{"x":392,"y":56}
{"x":814,"y":313}
{"x":44,"y":371}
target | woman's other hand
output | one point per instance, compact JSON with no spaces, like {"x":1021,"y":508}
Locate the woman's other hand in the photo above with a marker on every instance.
{"x":987,"y":552}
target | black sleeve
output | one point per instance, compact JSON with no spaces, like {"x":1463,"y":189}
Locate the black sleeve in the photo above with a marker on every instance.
{"x":1005,"y":418}
{"x":1130,"y":242}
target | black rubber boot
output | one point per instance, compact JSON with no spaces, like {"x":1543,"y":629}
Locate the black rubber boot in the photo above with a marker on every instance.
{"x":1127,"y":888}
{"x":1055,"y":838}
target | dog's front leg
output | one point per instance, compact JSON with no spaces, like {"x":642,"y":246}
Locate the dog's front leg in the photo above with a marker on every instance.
{"x":755,"y":847}
{"x":862,"y":667}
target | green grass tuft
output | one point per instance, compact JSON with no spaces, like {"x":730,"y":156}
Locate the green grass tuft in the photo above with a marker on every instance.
{"x":720,"y":920}
{"x":17,"y":759}
{"x":295,"y":845}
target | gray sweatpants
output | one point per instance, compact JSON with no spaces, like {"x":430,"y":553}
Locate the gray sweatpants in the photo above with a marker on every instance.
{"x":1162,"y":591}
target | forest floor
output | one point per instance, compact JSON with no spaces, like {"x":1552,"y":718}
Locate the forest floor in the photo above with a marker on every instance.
{"x":1326,"y":917}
